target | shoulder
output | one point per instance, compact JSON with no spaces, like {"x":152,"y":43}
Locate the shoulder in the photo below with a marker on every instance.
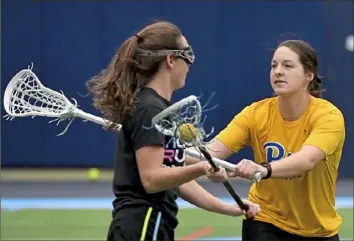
{"x":324,"y":109}
{"x":263,"y":104}
{"x":146,"y":106}
{"x":326,"y":105}
{"x":148,"y":99}
{"x":325,"y":115}
{"x":260,"y":109}
{"x":260,"y":106}
{"x":254,"y":112}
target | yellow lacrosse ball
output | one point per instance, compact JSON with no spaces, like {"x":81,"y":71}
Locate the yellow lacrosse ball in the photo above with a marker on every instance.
{"x":93,"y":174}
{"x":187,"y":132}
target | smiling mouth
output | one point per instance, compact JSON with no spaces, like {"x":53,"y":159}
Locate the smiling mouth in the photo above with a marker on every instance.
{"x":279,"y":81}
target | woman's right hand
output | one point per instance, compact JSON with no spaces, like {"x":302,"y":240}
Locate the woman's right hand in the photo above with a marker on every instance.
{"x":214,"y":176}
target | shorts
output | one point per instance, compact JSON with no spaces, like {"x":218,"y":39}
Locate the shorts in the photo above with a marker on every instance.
{"x":253,"y":230}
{"x":139,"y":223}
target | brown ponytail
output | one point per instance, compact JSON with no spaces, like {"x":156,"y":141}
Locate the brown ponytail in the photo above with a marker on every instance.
{"x":315,"y":87}
{"x":113,"y":89}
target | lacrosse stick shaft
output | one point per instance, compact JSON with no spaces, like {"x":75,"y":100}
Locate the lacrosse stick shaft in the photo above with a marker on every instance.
{"x":227,"y":165}
{"x":227,"y":185}
{"x":209,"y":158}
{"x":92,"y":118}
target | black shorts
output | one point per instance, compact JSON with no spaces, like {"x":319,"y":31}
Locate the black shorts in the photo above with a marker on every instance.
{"x":139,"y":223}
{"x":260,"y":231}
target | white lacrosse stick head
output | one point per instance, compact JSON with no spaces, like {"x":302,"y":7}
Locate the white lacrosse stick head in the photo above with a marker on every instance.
{"x":26,"y":96}
{"x":182,"y":120}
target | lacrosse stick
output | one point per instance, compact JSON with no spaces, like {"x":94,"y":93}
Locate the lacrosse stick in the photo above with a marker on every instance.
{"x":183,"y":121}
{"x":26,"y":96}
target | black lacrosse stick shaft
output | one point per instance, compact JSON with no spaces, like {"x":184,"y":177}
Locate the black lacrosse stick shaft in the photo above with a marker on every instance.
{"x":227,"y":185}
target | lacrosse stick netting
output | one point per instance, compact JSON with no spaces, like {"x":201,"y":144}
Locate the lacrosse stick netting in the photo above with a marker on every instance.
{"x":188,"y":112}
{"x":26,"y":96}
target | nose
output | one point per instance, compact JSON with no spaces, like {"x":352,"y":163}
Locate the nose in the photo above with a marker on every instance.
{"x":278,"y":71}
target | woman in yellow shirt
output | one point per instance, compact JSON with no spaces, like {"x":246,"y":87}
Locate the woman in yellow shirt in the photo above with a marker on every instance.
{"x":297,"y":140}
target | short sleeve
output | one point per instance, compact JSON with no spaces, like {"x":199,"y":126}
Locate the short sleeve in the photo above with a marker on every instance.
{"x":236,"y":134}
{"x":328,"y":132}
{"x":143,"y":133}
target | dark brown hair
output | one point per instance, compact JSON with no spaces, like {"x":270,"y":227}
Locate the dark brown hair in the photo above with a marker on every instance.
{"x":309,"y":60}
{"x":113,"y":89}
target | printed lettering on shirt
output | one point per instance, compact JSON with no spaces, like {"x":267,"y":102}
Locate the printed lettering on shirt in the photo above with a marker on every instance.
{"x":174,"y":153}
{"x":275,"y":151}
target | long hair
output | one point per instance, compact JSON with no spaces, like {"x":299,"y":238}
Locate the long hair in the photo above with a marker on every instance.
{"x":113,"y":89}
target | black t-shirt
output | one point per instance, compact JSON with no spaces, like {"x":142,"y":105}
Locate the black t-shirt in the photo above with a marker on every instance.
{"x":137,"y":132}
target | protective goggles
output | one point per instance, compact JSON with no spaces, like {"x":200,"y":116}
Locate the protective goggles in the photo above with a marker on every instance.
{"x":186,"y":53}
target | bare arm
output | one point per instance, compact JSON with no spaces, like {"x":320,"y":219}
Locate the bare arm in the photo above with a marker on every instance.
{"x":149,"y":148}
{"x":193,"y":193}
{"x":155,"y":178}
{"x":304,"y":160}
{"x":216,"y":149}
{"x":198,"y":196}
{"x":326,"y":137}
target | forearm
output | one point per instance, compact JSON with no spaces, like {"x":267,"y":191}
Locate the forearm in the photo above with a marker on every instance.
{"x":162,"y":179}
{"x":215,"y":148}
{"x":195,"y":194}
{"x":192,"y":160}
{"x":291,"y":166}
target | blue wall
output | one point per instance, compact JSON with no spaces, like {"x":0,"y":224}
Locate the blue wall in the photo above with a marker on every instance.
{"x":69,"y":41}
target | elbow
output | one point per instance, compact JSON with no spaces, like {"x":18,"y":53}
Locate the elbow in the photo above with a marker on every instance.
{"x":309,"y":157}
{"x":150,"y":185}
{"x":311,"y":163}
{"x":309,"y":167}
{"x":306,"y":166}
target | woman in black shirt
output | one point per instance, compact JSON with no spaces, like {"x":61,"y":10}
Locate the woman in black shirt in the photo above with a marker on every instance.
{"x":149,"y":169}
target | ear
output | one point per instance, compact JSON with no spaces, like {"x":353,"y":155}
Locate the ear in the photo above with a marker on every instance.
{"x":309,"y":76}
{"x":170,"y":60}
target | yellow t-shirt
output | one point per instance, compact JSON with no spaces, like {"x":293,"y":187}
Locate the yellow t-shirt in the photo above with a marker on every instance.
{"x":303,"y":205}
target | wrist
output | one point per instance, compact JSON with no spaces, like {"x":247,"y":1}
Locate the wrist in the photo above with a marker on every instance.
{"x":202,"y":167}
{"x":231,"y":210}
{"x":266,"y":170}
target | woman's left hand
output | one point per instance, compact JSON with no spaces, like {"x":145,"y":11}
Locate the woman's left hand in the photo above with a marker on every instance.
{"x":253,"y":209}
{"x":247,"y":168}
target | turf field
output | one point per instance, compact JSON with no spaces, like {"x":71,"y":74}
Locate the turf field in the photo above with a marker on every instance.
{"x":91,"y":224}
{"x":81,"y":210}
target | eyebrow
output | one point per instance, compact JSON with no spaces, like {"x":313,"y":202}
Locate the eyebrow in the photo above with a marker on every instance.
{"x":286,"y":61}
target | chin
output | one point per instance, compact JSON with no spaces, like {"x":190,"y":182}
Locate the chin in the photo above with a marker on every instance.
{"x":281,"y":92}
{"x":180,"y":85}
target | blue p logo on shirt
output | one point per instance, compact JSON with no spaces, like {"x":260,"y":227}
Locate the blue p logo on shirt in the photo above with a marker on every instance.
{"x":274,"y":151}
